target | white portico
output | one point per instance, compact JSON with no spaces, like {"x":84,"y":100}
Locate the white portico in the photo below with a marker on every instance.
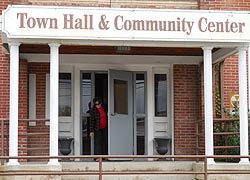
{"x":227,"y":32}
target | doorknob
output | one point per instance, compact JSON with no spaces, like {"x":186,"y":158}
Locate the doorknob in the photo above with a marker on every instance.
{"x":113,"y":114}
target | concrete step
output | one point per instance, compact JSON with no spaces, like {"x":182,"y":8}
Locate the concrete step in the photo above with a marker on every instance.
{"x":132,"y":177}
{"x":225,"y":167}
{"x":125,"y":166}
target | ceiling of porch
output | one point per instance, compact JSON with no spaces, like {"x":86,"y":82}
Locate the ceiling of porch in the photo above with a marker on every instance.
{"x":115,"y":50}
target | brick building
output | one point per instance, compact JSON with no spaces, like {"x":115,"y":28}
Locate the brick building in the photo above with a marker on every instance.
{"x":152,"y":62}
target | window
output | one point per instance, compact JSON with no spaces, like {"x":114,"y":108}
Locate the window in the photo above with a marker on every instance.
{"x":140,"y":112}
{"x":65,"y":91}
{"x":86,"y":92}
{"x":140,"y":94}
{"x":120,"y":96}
{"x":160,"y":88}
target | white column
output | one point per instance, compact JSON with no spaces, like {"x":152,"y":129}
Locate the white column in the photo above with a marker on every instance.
{"x":150,"y":111}
{"x":13,"y":117}
{"x":54,"y":73}
{"x":13,"y":122}
{"x":208,"y":103}
{"x":243,"y":104}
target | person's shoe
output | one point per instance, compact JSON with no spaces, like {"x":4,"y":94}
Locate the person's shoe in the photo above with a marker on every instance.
{"x":97,"y":160}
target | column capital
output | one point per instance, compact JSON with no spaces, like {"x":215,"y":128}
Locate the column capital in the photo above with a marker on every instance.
{"x":207,"y":47}
{"x":14,"y":44}
{"x":54,"y":45}
{"x":242,"y":48}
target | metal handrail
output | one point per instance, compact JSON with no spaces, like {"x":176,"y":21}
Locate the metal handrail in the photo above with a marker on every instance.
{"x":100,"y":172}
{"x":3,"y":135}
{"x":2,"y":139}
{"x":215,"y":120}
{"x":205,"y":172}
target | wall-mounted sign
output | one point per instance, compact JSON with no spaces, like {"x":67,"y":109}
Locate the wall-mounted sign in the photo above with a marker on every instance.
{"x":234,"y":103}
{"x":125,"y":24}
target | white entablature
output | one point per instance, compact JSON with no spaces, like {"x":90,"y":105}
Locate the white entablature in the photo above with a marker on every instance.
{"x":117,"y":24}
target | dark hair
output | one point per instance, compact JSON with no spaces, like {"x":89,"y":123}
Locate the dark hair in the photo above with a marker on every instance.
{"x":97,"y":99}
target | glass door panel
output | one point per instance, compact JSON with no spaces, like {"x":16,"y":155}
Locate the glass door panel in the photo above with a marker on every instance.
{"x":120,"y":97}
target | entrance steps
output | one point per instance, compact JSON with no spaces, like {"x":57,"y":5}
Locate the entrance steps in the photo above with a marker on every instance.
{"x":240,"y":171}
{"x":126,"y":166}
{"x":225,"y":168}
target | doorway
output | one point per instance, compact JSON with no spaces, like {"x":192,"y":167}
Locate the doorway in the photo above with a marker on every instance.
{"x":93,"y":84}
{"x":117,"y":90}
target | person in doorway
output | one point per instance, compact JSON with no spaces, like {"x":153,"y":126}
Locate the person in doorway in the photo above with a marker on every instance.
{"x":99,"y":127}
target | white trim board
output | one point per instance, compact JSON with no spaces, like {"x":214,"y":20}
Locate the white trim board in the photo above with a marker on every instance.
{"x":114,"y":59}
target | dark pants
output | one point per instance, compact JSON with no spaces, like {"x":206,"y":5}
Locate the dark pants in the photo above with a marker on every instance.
{"x":101,"y":142}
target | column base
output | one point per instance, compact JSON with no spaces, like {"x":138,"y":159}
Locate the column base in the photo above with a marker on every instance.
{"x":244,"y":161}
{"x":13,"y":162}
{"x":210,"y":161}
{"x":54,"y":162}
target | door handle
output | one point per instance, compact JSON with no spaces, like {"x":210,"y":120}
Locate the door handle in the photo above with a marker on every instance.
{"x":113,"y":114}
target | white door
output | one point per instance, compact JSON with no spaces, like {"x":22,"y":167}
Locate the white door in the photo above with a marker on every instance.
{"x":120,"y":113}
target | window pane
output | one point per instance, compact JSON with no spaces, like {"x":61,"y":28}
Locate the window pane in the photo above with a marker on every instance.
{"x":120,"y":97}
{"x":160,"y":95}
{"x":140,"y":125}
{"x":86,"y":92}
{"x":101,"y":87}
{"x":65,"y":94}
{"x":139,"y":94}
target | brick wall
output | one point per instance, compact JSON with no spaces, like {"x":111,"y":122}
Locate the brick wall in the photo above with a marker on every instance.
{"x":40,"y":69}
{"x":23,"y":107}
{"x":4,"y":86}
{"x":4,"y":4}
{"x":235,"y":5}
{"x":4,"y":96}
{"x":23,"y":101}
{"x":186,"y":107}
{"x":41,"y":142}
{"x":38,"y":145}
{"x":4,"y":93}
{"x":231,"y":80}
{"x":4,"y":78}
{"x":166,"y":4}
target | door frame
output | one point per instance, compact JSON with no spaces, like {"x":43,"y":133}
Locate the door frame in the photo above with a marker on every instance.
{"x":133,"y":101}
{"x":92,"y":72}
{"x":147,"y":68}
{"x":135,"y":115}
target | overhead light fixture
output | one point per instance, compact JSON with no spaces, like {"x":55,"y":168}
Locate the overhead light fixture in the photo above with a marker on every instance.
{"x":123,"y":49}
